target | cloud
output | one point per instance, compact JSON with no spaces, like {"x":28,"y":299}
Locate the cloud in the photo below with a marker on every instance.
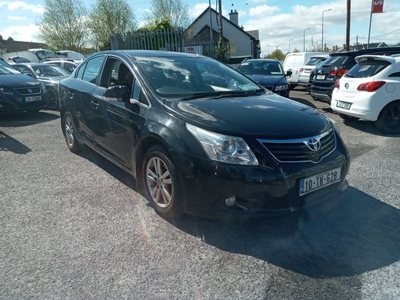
{"x":17,"y":18}
{"x":14,"y":5}
{"x":27,"y":33}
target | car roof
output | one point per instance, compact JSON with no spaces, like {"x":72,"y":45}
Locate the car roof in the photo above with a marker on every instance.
{"x":148,"y":53}
{"x":382,"y":50}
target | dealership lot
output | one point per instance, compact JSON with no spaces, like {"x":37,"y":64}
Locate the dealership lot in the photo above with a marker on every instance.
{"x":73,"y":226}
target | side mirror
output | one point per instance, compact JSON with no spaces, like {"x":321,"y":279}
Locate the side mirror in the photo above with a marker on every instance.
{"x":289,"y":73}
{"x":119,"y":92}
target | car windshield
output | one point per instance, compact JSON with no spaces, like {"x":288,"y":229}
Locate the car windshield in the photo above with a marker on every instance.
{"x":74,"y":55}
{"x":314,"y":61}
{"x":261,"y":68}
{"x":6,"y":69}
{"x":367,"y":68}
{"x":50,"y":71}
{"x":342,"y":61}
{"x":190,"y":77}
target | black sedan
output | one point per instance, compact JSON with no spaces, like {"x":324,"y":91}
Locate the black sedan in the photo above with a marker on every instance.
{"x":19,"y":92}
{"x":268,"y":73}
{"x":201,"y":148}
{"x":50,"y":75}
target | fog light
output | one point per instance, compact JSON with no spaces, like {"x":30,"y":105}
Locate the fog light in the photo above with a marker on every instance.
{"x":230,"y":201}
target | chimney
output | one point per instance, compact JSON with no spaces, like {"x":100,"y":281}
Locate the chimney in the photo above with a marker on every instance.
{"x":234,"y":17}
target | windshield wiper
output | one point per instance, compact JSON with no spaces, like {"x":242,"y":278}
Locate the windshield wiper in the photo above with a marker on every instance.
{"x":199,"y":95}
{"x":237,"y":93}
{"x":349,"y":75}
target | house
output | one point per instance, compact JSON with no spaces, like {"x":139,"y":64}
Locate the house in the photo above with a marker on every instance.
{"x":243,"y":44}
{"x":371,"y":45}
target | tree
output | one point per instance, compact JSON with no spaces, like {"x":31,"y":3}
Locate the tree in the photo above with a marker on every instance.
{"x":277,"y":54}
{"x":63,"y":24}
{"x":110,"y":17}
{"x":175,"y":11}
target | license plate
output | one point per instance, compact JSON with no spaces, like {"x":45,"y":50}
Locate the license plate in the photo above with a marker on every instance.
{"x":316,"y":182}
{"x":33,"y":98}
{"x":321,"y":77}
{"x":344,"y":105}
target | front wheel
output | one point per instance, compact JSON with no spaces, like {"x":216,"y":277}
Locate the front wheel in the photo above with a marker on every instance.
{"x":162,"y":183}
{"x":70,"y":134}
{"x":389,"y":119}
{"x":52,"y":100}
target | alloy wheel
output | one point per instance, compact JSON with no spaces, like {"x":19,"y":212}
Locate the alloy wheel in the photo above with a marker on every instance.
{"x":69,"y":131}
{"x":159,"y":182}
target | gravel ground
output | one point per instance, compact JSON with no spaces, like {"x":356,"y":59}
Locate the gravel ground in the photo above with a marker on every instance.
{"x":73,"y":227}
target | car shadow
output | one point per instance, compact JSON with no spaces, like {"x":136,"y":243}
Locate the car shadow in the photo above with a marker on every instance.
{"x":26,"y":119}
{"x":347,"y":236}
{"x":366,"y":126}
{"x":303,"y":101}
{"x":7,"y":143}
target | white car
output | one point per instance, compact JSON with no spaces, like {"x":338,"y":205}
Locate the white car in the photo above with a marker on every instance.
{"x":371,"y":91}
{"x":305,"y":70}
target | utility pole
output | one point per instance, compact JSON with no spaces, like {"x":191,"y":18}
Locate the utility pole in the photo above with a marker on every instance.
{"x":220,"y":23}
{"x":348,"y":25}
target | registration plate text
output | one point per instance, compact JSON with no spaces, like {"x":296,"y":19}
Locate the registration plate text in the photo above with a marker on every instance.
{"x":344,"y":105}
{"x":33,"y":98}
{"x":312,"y":183}
{"x":321,"y":77}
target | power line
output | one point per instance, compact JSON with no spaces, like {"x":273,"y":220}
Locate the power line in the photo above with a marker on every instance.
{"x":386,"y":33}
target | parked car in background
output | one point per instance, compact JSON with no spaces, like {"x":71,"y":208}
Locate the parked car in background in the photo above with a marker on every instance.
{"x":268,"y":73}
{"x":234,"y":149}
{"x":305,"y":70}
{"x":294,"y":62}
{"x":49,"y":75}
{"x":371,"y":91}
{"x":336,"y":66}
{"x":43,"y":54}
{"x":67,"y":64}
{"x":76,"y":57}
{"x":19,"y":92}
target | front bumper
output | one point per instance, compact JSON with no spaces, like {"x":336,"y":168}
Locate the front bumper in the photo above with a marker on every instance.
{"x":258,"y":190}
{"x":11,"y":104}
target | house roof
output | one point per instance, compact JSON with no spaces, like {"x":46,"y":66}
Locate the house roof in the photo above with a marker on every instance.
{"x":207,"y":11}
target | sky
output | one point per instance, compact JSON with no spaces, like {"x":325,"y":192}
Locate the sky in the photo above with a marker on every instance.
{"x":282,"y":24}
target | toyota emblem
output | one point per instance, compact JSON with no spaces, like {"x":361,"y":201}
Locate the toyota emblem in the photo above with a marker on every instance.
{"x":314,"y":144}
{"x":346,"y":85}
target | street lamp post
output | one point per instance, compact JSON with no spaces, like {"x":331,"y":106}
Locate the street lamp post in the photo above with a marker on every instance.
{"x":322,"y":38}
{"x":304,"y":40}
{"x":289,"y":44}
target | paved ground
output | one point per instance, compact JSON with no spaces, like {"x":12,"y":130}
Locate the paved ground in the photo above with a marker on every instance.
{"x":73,"y":227}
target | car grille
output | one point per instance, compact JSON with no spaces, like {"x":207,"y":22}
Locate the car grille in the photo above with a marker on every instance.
{"x":28,"y":91}
{"x":297,"y":150}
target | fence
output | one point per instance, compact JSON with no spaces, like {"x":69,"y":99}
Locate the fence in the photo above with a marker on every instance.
{"x":168,"y":40}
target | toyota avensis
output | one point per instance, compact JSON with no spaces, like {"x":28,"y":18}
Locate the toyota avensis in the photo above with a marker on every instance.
{"x":214,"y":148}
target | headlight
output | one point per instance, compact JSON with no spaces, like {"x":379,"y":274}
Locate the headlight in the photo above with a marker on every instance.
{"x":280,"y":87}
{"x":224,"y":148}
{"x":6,"y":91}
{"x":335,"y":125}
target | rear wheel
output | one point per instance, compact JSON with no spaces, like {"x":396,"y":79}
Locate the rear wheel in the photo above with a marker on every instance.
{"x":389,"y":119}
{"x":69,"y":133}
{"x":162,"y":183}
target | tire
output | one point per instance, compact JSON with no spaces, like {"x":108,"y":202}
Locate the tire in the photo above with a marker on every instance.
{"x":163,"y":194}
{"x":347,"y":118}
{"x":389,"y":119}
{"x":292,"y":86}
{"x":52,"y":100}
{"x":70,"y":134}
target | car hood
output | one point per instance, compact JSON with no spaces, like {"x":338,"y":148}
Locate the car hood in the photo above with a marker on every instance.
{"x":266,"y":116}
{"x":17,"y":80}
{"x":267,"y":79}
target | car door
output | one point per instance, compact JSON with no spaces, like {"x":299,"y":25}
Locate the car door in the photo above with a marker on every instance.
{"x":80,"y":93}
{"x":116,"y":123}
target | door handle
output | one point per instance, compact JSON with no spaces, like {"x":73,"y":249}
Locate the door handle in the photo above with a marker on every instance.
{"x":71,"y":95}
{"x":94,"y":105}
